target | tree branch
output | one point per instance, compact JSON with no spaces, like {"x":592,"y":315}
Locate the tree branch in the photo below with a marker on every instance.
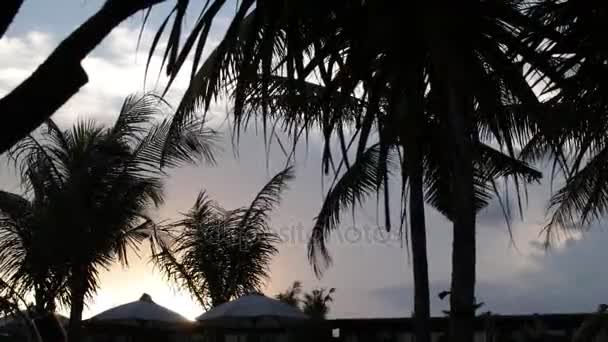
{"x":61,"y":75}
{"x":8,"y":11}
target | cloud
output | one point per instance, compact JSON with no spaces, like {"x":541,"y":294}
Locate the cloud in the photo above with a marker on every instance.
{"x":17,"y":59}
{"x":116,"y":69}
{"x":568,"y":279}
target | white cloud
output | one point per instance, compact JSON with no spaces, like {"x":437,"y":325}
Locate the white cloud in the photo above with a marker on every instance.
{"x":17,"y":51}
{"x":116,"y":69}
{"x":19,"y":57}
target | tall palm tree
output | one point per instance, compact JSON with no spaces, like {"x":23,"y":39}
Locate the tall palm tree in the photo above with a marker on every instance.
{"x":316,"y":303}
{"x":218,"y":254}
{"x":424,"y":172}
{"x":407,"y":142}
{"x":362,"y":178}
{"x":291,"y":296}
{"x":97,"y":185}
{"x":367,"y":174}
{"x":473,"y":52}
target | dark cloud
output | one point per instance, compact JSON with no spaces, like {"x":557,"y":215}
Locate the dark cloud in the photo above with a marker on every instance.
{"x":495,"y":214}
{"x":571,"y":278}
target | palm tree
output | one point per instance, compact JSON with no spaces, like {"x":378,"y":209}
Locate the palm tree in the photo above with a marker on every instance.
{"x":26,"y":263}
{"x":24,"y":258}
{"x":367,"y":174}
{"x":11,"y":307}
{"x":577,"y":142}
{"x":370,"y":171}
{"x":291,"y":296}
{"x":471,"y":51}
{"x":361,"y":179}
{"x":316,"y":303}
{"x":218,"y":254}
{"x":97,"y":184}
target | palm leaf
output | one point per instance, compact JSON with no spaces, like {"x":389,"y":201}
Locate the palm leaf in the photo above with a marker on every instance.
{"x":352,"y":188}
{"x":219,"y":254}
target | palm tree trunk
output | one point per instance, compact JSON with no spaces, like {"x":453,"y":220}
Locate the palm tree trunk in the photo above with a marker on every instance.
{"x":422,"y":311}
{"x":449,"y":56}
{"x":414,"y":121}
{"x":40,"y":300}
{"x":49,"y":328}
{"x":443,"y":30}
{"x":462,"y":297}
{"x":412,"y":118}
{"x":414,"y":135}
{"x":77,"y":284}
{"x":21,"y":114}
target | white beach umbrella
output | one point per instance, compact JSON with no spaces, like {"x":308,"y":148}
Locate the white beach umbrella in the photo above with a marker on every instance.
{"x":253,"y":311}
{"x":143,"y":309}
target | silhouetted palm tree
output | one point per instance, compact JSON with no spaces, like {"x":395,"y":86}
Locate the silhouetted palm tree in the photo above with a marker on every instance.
{"x":472,"y":53}
{"x":218,"y":254}
{"x":577,"y":141}
{"x":316,"y":303}
{"x":25,"y":259}
{"x":97,"y":184}
{"x":291,"y":296}
{"x":369,"y":172}
{"x":363,"y":178}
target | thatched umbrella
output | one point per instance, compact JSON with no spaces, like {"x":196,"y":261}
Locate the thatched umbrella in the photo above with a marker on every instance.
{"x":142,"y":319}
{"x":256,"y":315}
{"x":142,"y":310}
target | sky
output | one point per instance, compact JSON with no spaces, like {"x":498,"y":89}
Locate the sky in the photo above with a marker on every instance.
{"x":371,"y":272}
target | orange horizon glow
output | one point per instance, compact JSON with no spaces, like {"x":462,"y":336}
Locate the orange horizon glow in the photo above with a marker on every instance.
{"x":122,"y":285}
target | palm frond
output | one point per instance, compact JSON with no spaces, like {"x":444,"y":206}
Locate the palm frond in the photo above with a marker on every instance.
{"x":136,"y":114}
{"x":316,"y":303}
{"x":175,"y":271}
{"x":14,"y":206}
{"x":582,"y":199}
{"x":490,"y":165}
{"x":267,"y":198}
{"x":291,"y":296}
{"x":219,"y":254}
{"x":351,"y":189}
